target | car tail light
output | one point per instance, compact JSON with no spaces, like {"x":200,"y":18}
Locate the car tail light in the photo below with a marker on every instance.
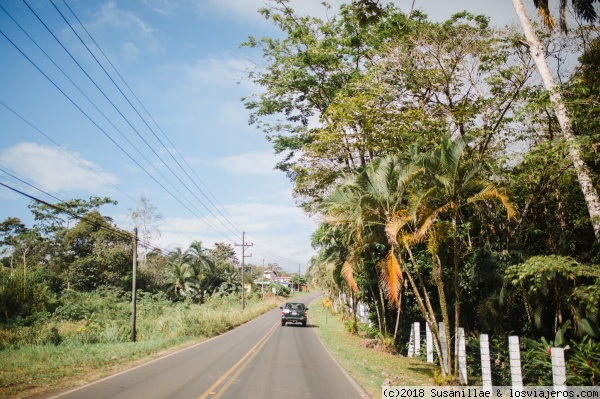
{"x":305,"y":313}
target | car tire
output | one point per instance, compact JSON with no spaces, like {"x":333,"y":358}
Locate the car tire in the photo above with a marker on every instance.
{"x":283,"y":323}
{"x":303,"y":324}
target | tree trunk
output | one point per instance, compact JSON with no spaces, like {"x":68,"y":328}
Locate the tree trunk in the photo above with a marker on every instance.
{"x":428,"y":314}
{"x":456,"y":290}
{"x":583,"y":173}
{"x":439,"y":281}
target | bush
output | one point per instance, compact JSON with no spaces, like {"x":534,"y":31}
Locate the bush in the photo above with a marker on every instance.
{"x":279,"y":289}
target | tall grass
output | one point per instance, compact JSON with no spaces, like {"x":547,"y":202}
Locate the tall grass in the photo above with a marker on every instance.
{"x":89,"y":337}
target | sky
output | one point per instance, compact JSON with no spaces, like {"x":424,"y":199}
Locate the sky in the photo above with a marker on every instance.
{"x":162,"y":118}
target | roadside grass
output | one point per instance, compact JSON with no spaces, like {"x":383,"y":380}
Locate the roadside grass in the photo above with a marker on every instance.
{"x":370,"y":368}
{"x":36,"y":369}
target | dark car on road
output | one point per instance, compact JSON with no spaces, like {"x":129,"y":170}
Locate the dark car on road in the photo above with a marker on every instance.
{"x":294,"y":312}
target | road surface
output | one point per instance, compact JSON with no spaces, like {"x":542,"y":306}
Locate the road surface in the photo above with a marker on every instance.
{"x":260,"y":359}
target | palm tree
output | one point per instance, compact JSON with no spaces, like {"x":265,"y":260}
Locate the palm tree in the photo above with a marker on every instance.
{"x":178,"y":254}
{"x":585,"y":9}
{"x":455,"y":183}
{"x":199,"y":257}
{"x":374,"y":207}
{"x":181,"y":278}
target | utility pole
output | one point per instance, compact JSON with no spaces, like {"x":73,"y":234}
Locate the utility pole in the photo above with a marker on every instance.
{"x":135,"y":240}
{"x":262,"y":281}
{"x":244,"y":245}
{"x":298,"y":277}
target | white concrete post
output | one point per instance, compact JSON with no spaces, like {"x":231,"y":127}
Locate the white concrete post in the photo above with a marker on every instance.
{"x":411,"y":342}
{"x":514,"y":354}
{"x":559,"y":373}
{"x":429,"y":343}
{"x":417,"y":330}
{"x":462,"y":356}
{"x":486,"y":366}
{"x":443,"y":346}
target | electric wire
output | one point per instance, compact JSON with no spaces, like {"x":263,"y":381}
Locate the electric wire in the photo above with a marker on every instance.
{"x":119,"y":232}
{"x":259,"y":249}
{"x":94,"y":105}
{"x":142,"y":118}
{"x":229,"y":219}
{"x":112,"y":103}
{"x":109,"y":137}
{"x":86,"y":165}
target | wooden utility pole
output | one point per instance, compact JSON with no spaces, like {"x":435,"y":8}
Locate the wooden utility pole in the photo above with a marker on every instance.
{"x":134,"y":277}
{"x":244,"y":245}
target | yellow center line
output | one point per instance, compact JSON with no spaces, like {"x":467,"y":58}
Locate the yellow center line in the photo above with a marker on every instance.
{"x":245,"y":360}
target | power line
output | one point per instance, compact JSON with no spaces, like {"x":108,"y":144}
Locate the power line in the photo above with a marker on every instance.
{"x":141,"y":117}
{"x":158,"y":126}
{"x":112,"y":103}
{"x":108,"y":136}
{"x":227,"y":219}
{"x":86,"y":166}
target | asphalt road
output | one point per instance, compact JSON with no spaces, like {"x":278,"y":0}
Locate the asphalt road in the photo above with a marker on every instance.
{"x":260,"y":359}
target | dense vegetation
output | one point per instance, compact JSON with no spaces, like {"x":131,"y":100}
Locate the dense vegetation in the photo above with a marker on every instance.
{"x":434,"y":159}
{"x":68,"y":278}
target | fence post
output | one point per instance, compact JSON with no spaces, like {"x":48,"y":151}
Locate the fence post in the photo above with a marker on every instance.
{"x":462,"y":356}
{"x":411,"y":342}
{"x":443,"y":346}
{"x":429,"y":343}
{"x":559,"y":373}
{"x":486,"y":367}
{"x":514,"y":354}
{"x":417,"y":330}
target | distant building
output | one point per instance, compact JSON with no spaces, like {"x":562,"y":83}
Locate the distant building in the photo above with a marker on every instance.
{"x":271,"y":276}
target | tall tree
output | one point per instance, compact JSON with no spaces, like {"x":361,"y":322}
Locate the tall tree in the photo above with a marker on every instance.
{"x":306,"y":69}
{"x":145,"y":217}
{"x":585,"y":9}
{"x":97,"y":254}
{"x":455,"y":184}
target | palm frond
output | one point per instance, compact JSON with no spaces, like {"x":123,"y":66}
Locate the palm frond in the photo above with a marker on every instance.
{"x":395,"y":223}
{"x":390,"y":277}
{"x":544,"y":13}
{"x":491,"y":192}
{"x":428,"y":221}
{"x":348,"y":273}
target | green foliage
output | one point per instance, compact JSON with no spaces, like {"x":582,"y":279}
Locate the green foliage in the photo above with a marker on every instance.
{"x":21,"y":294}
{"x":584,"y":362}
{"x":279,"y":289}
{"x":351,"y":325}
{"x":536,"y":360}
{"x":551,"y":286}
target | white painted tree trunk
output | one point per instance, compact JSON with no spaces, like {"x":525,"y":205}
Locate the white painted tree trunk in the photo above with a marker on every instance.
{"x":583,"y":172}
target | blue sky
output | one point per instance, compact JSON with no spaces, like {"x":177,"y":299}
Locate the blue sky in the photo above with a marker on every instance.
{"x":208,"y":173}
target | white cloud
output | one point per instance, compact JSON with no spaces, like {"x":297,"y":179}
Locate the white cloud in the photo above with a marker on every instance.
{"x":249,"y":163}
{"x":280,"y":232}
{"x":110,"y":15}
{"x":212,"y":72}
{"x":53,"y":169}
{"x":111,"y":18}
